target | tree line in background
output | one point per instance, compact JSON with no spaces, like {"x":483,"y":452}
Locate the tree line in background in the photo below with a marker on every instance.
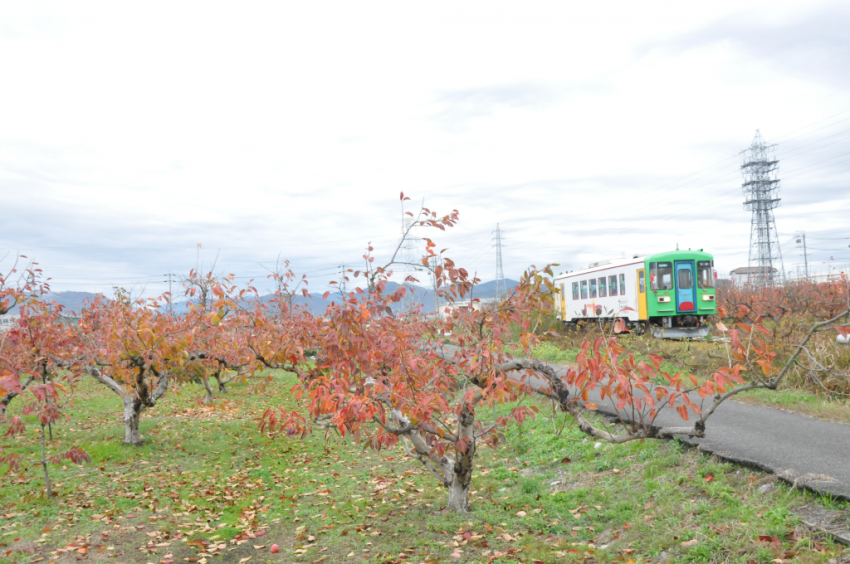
{"x":374,"y":372}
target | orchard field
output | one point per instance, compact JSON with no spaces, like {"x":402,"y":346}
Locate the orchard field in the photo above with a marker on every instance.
{"x":208,"y":487}
{"x":248,"y":429}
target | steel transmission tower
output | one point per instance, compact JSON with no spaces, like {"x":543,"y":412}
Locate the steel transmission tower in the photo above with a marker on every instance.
{"x":501,"y":288}
{"x":761,"y":192}
{"x":407,"y":255}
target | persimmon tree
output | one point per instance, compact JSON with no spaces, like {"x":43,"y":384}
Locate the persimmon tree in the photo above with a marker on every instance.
{"x":384,"y":378}
{"x":131,"y":347}
{"x":216,"y":354}
{"x":270,"y":332}
{"x":32,"y":356}
{"x":16,"y":289}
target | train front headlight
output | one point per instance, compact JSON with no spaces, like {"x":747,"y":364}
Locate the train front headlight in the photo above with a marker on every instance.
{"x":708,"y":298}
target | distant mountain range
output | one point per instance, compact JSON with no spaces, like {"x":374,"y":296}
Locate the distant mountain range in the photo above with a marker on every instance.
{"x":421,"y":295}
{"x":73,"y":301}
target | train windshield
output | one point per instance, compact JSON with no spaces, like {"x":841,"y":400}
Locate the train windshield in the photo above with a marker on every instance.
{"x":705,"y":274}
{"x":661,"y":275}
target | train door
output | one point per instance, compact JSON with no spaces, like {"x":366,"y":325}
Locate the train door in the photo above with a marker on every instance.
{"x":563,"y":302}
{"x":641,"y":293}
{"x":685,"y":287}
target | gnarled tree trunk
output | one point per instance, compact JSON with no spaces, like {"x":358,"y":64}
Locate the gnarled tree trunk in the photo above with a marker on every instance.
{"x":209,"y":397}
{"x":135,"y":400}
{"x":455,"y":474}
{"x":458,"y":472}
{"x":132,"y":416}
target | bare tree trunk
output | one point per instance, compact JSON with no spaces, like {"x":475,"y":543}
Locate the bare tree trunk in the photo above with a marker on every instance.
{"x":135,"y":401}
{"x":209,"y":398}
{"x":44,"y":466}
{"x":459,"y":471}
{"x":459,"y":493}
{"x":132,"y":415}
{"x":222,"y":388}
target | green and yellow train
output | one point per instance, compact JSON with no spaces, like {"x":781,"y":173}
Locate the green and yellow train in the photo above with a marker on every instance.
{"x":670,"y":294}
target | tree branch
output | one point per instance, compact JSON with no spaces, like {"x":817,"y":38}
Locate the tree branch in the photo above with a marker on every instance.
{"x":107,"y":381}
{"x":4,"y":403}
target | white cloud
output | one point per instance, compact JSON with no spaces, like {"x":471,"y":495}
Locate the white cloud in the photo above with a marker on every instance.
{"x":128,"y":134}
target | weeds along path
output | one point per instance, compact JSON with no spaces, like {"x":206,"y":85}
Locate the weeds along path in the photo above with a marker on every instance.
{"x":803,"y":451}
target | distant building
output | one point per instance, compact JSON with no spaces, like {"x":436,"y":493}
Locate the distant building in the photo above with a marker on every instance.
{"x":7,"y":321}
{"x":723,"y":283}
{"x":742,"y":275}
{"x":447,"y":308}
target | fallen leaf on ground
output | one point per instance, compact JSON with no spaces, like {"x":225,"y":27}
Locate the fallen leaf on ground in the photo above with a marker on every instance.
{"x":688,"y":544}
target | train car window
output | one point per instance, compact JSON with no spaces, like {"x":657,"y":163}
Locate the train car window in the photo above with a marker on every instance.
{"x":603,"y":288}
{"x":641,"y":283}
{"x":705,"y":274}
{"x":584,"y":289}
{"x":685,"y":279}
{"x":575,"y":290}
{"x":593,"y":287}
{"x":661,"y":275}
{"x":563,"y":293}
{"x":622,"y":284}
{"x":612,"y":285}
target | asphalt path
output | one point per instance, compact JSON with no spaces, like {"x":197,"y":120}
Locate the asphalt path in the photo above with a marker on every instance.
{"x":801,"y":450}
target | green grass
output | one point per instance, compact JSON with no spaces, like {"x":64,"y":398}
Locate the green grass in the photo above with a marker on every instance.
{"x":206,"y":475}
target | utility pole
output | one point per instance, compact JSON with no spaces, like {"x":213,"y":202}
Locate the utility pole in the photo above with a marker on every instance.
{"x":801,"y":238}
{"x":342,"y":285}
{"x":761,"y":192}
{"x":435,"y":262}
{"x":170,"y":296}
{"x":501,"y":288}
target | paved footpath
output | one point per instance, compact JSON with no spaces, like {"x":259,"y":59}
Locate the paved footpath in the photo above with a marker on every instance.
{"x":801,"y":450}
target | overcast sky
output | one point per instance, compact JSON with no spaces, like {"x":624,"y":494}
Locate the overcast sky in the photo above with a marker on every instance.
{"x":129,"y":134}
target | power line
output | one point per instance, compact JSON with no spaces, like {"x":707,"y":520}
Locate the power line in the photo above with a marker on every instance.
{"x":815,"y":141}
{"x":814,"y":123}
{"x":817,"y":169}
